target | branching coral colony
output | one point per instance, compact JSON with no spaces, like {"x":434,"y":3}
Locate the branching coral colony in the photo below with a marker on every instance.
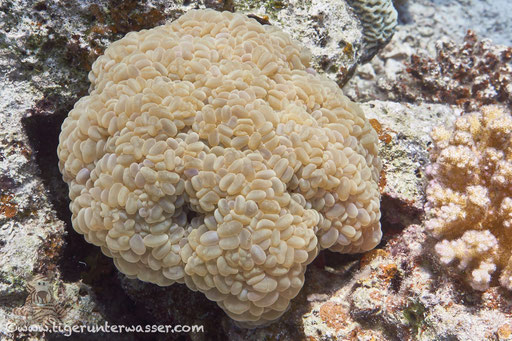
{"x":470,"y":195}
{"x":208,"y":154}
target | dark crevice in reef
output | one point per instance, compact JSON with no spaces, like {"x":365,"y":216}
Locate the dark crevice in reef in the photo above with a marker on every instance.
{"x":335,"y":260}
{"x":178,"y":305}
{"x":42,"y":126}
{"x":78,"y":259}
{"x":396,"y":216}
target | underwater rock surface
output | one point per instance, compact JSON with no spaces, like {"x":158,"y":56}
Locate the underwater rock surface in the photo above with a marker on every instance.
{"x":397,"y":292}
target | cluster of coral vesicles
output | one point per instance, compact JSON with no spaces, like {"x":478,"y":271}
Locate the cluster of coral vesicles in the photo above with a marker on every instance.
{"x":470,"y":196}
{"x":208,"y":154}
{"x":470,"y":75}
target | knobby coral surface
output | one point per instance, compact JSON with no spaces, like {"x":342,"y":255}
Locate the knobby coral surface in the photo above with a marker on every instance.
{"x":379,"y":19}
{"x":207,"y":153}
{"x":470,"y":195}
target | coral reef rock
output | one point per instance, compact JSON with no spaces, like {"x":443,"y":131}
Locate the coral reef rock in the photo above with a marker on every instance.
{"x":339,"y":37}
{"x":403,"y":131}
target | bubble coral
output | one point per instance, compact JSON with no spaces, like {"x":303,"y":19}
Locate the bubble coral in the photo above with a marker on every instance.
{"x":207,"y":153}
{"x":470,"y":195}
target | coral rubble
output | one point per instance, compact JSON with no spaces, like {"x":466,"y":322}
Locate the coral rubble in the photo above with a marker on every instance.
{"x":473,"y":74}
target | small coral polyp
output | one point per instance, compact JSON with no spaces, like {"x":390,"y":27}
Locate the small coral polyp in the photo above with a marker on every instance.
{"x":208,"y":154}
{"x":470,"y":195}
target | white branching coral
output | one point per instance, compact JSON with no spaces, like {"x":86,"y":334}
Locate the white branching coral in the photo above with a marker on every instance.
{"x":470,"y":195}
{"x":208,"y":154}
